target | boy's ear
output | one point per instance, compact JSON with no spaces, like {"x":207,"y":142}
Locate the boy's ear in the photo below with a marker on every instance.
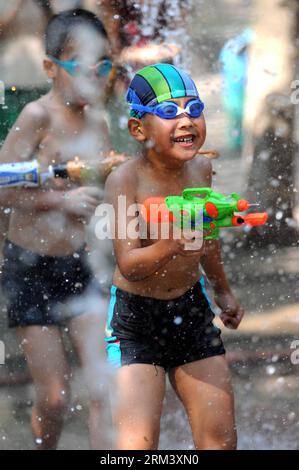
{"x":136,"y":129}
{"x":50,"y":68}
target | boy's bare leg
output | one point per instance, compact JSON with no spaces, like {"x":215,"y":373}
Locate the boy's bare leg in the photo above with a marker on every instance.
{"x":138,"y":406}
{"x":46,"y":360}
{"x":87,"y":333}
{"x":204,"y":388}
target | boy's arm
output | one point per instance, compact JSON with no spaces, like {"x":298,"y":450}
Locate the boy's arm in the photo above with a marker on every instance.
{"x":20,"y":145}
{"x":211,"y":260}
{"x":109,"y":14}
{"x":8,"y":11}
{"x":212,"y":264}
{"x":134,"y":261}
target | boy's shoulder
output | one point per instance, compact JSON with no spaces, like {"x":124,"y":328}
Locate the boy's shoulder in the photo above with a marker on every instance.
{"x":29,"y":129}
{"x":202,"y":162}
{"x":203,"y":165}
{"x":125,"y":175}
{"x":36,"y":112}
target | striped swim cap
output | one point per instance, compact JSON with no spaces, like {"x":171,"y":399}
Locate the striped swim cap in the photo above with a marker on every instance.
{"x":159,"y":82}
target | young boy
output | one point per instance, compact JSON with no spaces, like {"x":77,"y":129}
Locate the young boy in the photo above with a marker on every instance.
{"x":159,"y":317}
{"x":46,"y":276}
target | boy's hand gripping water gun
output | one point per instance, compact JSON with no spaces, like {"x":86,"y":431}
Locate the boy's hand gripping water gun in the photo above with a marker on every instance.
{"x":201,"y":209}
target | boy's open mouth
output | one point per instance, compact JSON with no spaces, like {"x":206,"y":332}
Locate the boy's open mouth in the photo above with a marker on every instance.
{"x":185,"y":140}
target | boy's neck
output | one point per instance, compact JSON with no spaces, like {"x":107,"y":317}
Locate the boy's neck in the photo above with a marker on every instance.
{"x":174,"y":167}
{"x":73,"y":109}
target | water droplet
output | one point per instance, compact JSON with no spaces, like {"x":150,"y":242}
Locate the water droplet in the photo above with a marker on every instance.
{"x":274,"y":183}
{"x":279,"y":215}
{"x":270,"y":370}
{"x":280,"y":380}
{"x":264,"y":155}
{"x":268,"y":426}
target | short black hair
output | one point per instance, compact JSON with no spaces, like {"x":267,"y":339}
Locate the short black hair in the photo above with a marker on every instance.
{"x":60,"y":27}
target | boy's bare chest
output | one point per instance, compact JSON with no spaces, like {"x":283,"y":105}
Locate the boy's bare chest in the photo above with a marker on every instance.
{"x":154,"y":185}
{"x":63,"y":141}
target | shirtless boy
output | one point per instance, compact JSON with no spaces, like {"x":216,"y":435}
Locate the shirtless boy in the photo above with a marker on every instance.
{"x":160,"y":320}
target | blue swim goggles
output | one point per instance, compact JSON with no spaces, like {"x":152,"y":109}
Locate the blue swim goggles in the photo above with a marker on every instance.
{"x":170,"y":110}
{"x":75,"y":68}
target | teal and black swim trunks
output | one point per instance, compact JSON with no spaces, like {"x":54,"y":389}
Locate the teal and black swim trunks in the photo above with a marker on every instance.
{"x":166,"y":333}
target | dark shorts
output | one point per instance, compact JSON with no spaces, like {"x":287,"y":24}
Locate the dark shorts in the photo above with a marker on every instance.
{"x":38,"y":288}
{"x":166,"y":333}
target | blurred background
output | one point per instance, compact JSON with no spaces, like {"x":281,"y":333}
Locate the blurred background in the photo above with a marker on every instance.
{"x":244,"y":58}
